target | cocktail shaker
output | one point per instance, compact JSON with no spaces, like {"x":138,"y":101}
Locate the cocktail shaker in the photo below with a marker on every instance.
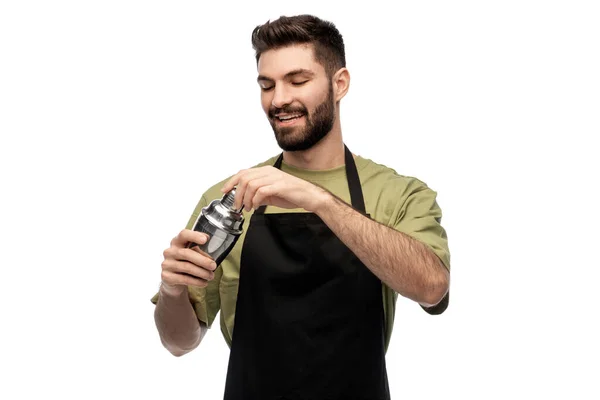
{"x":223,"y":224}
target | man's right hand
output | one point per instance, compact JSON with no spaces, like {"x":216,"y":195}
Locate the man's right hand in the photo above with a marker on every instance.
{"x":183,"y":266}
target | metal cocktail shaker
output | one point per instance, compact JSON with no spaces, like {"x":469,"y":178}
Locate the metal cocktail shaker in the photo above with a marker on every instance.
{"x":223,"y":224}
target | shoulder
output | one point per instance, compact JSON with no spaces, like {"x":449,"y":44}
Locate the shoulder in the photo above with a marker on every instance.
{"x":386,"y":180}
{"x":391,"y":196}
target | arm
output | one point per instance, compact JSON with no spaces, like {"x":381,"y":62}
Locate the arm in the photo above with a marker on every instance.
{"x":404,"y":264}
{"x":401,"y":262}
{"x":177,"y":323}
{"x":179,"y":329}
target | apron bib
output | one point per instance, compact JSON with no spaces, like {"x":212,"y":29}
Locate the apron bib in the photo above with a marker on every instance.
{"x":309,"y":322}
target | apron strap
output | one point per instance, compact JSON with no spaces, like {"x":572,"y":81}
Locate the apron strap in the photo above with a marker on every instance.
{"x":356,"y":194}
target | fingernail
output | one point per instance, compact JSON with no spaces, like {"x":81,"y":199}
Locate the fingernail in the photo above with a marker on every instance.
{"x":213,"y":265}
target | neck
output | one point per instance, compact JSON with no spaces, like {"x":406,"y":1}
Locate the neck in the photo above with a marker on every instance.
{"x":327,"y":154}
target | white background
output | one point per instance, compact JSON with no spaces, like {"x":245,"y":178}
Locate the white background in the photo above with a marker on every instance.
{"x":115,"y":116}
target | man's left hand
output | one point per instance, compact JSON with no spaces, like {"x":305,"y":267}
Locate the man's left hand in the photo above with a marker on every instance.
{"x":272,"y":187}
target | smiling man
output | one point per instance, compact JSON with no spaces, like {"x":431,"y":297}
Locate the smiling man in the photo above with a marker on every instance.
{"x":307,"y":296}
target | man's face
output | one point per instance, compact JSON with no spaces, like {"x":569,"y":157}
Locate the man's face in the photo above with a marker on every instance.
{"x":296,"y":95}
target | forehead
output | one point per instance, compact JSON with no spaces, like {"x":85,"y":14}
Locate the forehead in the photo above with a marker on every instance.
{"x":277,"y":62}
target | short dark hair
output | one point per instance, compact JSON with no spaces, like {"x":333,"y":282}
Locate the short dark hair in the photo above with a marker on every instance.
{"x":300,"y":29}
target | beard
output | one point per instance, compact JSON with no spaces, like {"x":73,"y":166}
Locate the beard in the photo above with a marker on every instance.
{"x":317,"y":125}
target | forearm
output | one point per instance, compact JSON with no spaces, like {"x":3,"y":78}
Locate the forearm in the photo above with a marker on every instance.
{"x":401,"y":262}
{"x":177,"y":324}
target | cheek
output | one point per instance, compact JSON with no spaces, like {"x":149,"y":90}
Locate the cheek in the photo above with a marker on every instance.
{"x":310,"y":106}
{"x":265,"y":101}
{"x":310,"y":101}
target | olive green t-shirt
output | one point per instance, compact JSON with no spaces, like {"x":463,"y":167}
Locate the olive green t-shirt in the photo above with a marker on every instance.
{"x":399,"y":202}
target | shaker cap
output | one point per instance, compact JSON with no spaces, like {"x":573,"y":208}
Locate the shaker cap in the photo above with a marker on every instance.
{"x":220,"y":212}
{"x":228,"y":200}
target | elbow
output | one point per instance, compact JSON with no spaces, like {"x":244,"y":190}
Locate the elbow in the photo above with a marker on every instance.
{"x":437,"y":289}
{"x":178,"y":352}
{"x":175,"y":350}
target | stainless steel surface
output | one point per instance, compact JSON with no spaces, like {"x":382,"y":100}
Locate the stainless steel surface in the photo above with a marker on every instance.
{"x":223,"y":224}
{"x":222,"y":214}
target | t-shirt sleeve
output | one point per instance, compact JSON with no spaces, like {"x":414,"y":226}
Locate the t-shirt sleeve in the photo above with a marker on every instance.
{"x":206,"y":301}
{"x":418,"y":215}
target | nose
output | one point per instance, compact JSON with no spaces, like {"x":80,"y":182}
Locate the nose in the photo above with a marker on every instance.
{"x":281,"y":96}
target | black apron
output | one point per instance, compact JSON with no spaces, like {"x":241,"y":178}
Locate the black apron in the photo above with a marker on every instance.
{"x":309,"y":322}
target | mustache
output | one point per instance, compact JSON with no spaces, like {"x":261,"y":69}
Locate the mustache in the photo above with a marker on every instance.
{"x":287,"y":110}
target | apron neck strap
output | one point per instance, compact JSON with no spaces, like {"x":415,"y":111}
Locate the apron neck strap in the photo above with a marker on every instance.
{"x":356,"y":194}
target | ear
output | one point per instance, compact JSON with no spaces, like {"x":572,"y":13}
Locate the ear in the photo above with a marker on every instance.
{"x":341,"y":83}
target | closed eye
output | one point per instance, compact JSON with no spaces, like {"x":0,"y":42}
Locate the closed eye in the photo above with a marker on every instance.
{"x":299,"y":83}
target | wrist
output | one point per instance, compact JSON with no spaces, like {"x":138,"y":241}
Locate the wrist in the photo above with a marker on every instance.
{"x":322,"y":201}
{"x":172,"y":290}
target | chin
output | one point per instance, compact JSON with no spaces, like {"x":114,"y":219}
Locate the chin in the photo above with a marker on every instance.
{"x":301,"y":145}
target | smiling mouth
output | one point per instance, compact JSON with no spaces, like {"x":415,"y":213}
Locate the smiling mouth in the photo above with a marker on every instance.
{"x":288,"y":118}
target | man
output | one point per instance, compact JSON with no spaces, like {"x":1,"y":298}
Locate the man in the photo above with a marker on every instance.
{"x":329,"y":241}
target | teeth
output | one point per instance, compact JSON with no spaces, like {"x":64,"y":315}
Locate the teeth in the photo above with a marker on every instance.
{"x":283,"y":118}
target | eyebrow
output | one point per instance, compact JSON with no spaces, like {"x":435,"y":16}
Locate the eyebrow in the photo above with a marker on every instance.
{"x":299,"y":71}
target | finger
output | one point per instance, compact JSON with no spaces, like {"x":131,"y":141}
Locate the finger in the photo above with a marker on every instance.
{"x":187,"y":236}
{"x":197,"y":258}
{"x":186,"y":267}
{"x":194,"y":256}
{"x":262,"y":196}
{"x":242,"y":184}
{"x":193,"y":270}
{"x":173,"y":278}
{"x":232,"y":182}
{"x":252,"y":187}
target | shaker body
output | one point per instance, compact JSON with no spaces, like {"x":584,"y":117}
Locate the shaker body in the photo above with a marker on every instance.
{"x":219,"y":242}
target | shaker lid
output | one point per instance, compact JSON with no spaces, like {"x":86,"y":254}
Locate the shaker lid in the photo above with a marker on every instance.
{"x":228,"y":201}
{"x":221,"y":213}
